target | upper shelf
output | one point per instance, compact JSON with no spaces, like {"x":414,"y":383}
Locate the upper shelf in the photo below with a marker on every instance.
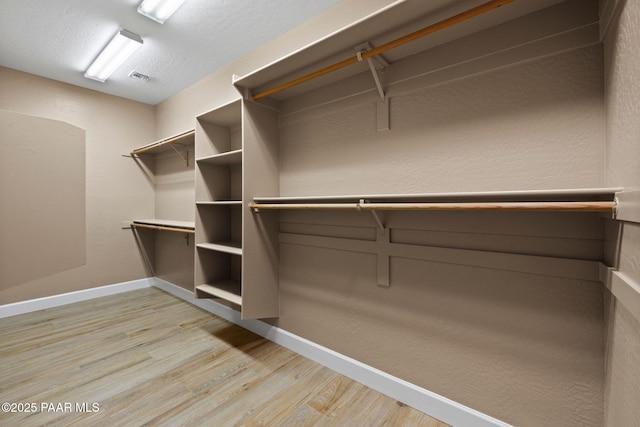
{"x":228,"y":115}
{"x":378,"y":27}
{"x":164,"y":144}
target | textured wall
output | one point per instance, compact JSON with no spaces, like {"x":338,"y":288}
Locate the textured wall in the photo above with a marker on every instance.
{"x":622,"y":88}
{"x":537,"y":125}
{"x":175,"y":199}
{"x":174,"y":184}
{"x":41,"y":169}
{"x":524,"y":348}
{"x":116,"y":189}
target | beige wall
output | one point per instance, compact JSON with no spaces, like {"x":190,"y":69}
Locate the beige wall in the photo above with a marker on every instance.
{"x":32,"y":148}
{"x":622,"y":88}
{"x":175,"y":199}
{"x":525,"y":348}
{"x":536,"y":125}
{"x":116,"y":190}
{"x":177,"y":113}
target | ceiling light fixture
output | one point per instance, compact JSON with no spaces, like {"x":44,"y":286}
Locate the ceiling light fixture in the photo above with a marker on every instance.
{"x":119,"y":49}
{"x":159,"y":10}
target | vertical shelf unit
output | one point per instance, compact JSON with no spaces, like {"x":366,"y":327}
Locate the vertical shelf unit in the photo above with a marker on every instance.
{"x":236,"y":159}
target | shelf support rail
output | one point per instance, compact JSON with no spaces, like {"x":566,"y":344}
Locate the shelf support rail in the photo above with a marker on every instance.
{"x":376,"y":217}
{"x":374,"y":73}
{"x":185,"y":157}
{"x":362,"y":205}
{"x":382,"y":114}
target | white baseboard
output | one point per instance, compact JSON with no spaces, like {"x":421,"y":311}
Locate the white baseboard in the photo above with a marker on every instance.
{"x":28,"y":306}
{"x":421,"y":399}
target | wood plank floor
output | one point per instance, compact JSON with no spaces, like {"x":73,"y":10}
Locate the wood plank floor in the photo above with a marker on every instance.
{"x":148,"y":358}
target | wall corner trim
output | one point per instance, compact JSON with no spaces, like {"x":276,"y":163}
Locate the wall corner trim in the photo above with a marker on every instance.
{"x":628,"y":208}
{"x":421,"y":399}
{"x":28,"y":306}
{"x":627,"y":292}
{"x":623,"y":288}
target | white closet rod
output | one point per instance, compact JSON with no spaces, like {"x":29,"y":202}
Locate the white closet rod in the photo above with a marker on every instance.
{"x":597,"y":206}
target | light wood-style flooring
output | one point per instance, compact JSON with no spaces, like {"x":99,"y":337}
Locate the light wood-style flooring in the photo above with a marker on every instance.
{"x":148,"y":358}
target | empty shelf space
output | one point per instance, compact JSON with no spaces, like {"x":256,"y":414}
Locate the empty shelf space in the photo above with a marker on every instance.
{"x":234,"y":248}
{"x":229,"y":290}
{"x":228,"y":115}
{"x":163,"y":144}
{"x":228,"y":158}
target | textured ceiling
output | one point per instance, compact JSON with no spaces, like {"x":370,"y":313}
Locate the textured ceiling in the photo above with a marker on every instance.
{"x":58,"y":39}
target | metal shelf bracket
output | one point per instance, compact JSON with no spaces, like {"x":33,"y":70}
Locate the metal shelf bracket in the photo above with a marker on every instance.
{"x":376,"y":217}
{"x":383,"y":102}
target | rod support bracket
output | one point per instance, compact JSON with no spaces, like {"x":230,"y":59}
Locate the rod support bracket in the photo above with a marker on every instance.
{"x":382,"y":106}
{"x":376,"y":217}
{"x":185,"y":157}
{"x":364,"y":47}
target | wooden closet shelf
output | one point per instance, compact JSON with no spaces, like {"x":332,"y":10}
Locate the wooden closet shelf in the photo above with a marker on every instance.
{"x":220,"y":203}
{"x":165,"y":225}
{"x":228,"y":290}
{"x":185,"y":137}
{"x":233,"y":248}
{"x":577,"y":194}
{"x":224,"y":159}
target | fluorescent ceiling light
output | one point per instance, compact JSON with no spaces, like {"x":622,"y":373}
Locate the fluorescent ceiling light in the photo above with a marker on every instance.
{"x":159,"y":10}
{"x":119,"y":49}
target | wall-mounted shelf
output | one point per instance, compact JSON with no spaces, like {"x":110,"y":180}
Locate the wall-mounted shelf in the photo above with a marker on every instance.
{"x":166,"y":144}
{"x":579,"y":194}
{"x":220,"y":203}
{"x":223,"y":159}
{"x":588,"y":200}
{"x":228,"y":290}
{"x":165,"y":225}
{"x":589,"y":206}
{"x":602,"y":200}
{"x":233,"y":248}
{"x":570,"y":200}
{"x":308,"y":63}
